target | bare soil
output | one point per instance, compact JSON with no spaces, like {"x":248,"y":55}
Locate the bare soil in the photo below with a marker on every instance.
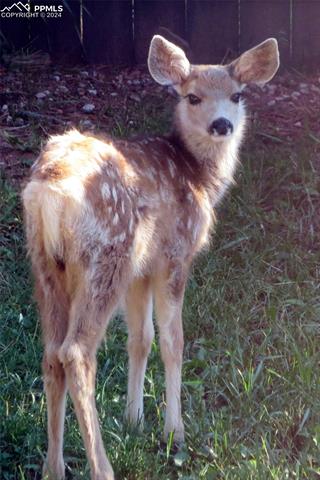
{"x":37,"y":101}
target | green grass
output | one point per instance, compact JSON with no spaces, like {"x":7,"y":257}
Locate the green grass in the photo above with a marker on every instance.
{"x":251,"y":388}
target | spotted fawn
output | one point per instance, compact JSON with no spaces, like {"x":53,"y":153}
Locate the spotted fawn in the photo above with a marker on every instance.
{"x":118,"y":222}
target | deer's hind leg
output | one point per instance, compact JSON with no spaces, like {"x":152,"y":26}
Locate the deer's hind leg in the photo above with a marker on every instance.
{"x":140,"y":336}
{"x":54,"y":311}
{"x":55,"y":388}
{"x":97,"y":295}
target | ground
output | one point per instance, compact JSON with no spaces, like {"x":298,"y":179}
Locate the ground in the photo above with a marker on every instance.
{"x":251,"y":387}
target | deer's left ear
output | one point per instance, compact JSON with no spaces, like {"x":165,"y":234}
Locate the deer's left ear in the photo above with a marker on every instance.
{"x":167,"y":63}
{"x":257,"y":65}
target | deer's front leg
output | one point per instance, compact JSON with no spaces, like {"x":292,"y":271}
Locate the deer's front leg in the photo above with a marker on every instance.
{"x":169,"y":302}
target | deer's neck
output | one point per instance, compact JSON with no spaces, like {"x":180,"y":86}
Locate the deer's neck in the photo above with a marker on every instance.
{"x":213,"y":163}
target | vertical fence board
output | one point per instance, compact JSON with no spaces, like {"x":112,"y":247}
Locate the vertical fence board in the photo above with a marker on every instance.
{"x":262,"y":19}
{"x":212,"y":27}
{"x":39,"y":34}
{"x":40,"y":28}
{"x":58,"y":36}
{"x":306,"y":33}
{"x":166,"y":17}
{"x":210,"y":31}
{"x":63,"y":34}
{"x":108,"y":31}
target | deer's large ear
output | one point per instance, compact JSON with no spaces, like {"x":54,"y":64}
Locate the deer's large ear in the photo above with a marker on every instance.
{"x":257,"y":65}
{"x":167,"y":63}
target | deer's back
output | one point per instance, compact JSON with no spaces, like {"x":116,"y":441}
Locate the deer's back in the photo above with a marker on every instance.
{"x":89,"y":197}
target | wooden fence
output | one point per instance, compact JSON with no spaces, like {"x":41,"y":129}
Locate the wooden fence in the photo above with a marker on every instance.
{"x":119,"y":31}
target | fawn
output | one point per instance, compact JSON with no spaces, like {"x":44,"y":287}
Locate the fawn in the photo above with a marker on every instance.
{"x":111,"y":221}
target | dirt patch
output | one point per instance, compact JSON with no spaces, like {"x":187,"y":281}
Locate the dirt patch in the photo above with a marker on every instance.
{"x":38,"y":102}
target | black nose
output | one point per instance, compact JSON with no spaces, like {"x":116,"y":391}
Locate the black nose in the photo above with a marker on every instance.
{"x":221,"y":126}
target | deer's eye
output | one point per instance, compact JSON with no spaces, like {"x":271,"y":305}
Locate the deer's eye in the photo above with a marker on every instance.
{"x":193,"y":99}
{"x":236,"y":97}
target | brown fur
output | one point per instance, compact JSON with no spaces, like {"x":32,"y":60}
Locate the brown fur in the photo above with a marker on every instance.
{"x":119,"y":222}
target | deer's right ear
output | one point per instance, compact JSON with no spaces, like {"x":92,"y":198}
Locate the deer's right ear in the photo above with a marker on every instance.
{"x":167,"y":63}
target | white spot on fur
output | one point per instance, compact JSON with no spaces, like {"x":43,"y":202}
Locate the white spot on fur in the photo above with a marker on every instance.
{"x":131,"y":224}
{"x":115,"y":219}
{"x":142,"y":202}
{"x":112,"y":174}
{"x":122,"y":237}
{"x":148,"y":173}
{"x":114,"y":194}
{"x":119,"y":238}
{"x":189,"y":197}
{"x":105,"y":191}
{"x":162,"y":177}
{"x":171,"y":168}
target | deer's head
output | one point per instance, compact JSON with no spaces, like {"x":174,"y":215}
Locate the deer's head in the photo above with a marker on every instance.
{"x":211,"y":108}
